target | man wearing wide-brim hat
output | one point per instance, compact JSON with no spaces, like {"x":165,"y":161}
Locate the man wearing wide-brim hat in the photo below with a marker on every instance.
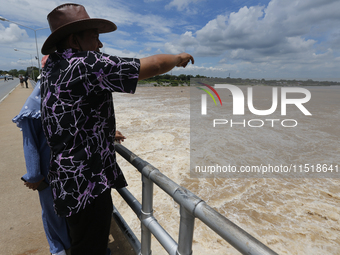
{"x":79,"y":123}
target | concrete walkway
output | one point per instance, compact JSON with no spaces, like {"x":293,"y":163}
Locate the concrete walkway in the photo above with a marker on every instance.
{"x":21,"y":230}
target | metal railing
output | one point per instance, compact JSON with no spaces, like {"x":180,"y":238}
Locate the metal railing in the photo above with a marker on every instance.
{"x":191,"y":207}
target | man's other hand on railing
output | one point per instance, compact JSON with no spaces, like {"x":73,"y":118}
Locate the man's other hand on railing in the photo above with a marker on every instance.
{"x":119,"y":138}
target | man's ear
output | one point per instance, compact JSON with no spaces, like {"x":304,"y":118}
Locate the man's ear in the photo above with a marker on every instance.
{"x":73,"y":42}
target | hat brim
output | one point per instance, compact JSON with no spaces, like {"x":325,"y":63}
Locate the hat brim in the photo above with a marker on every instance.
{"x":103,"y":26}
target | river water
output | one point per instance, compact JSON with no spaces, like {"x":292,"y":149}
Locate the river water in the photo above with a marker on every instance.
{"x":290,"y":215}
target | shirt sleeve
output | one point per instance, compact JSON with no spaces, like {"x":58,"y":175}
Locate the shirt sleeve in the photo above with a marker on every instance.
{"x":115,"y":74}
{"x":31,"y":149}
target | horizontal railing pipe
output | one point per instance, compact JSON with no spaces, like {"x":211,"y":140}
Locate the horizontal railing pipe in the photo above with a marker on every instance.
{"x":237,"y":237}
{"x":131,"y":201}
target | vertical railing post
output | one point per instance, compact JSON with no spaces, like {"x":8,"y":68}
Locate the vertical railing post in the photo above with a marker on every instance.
{"x":186,"y":232}
{"x":147,"y":211}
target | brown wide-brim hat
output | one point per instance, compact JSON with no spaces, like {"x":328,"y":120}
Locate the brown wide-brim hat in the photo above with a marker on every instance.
{"x":67,"y":19}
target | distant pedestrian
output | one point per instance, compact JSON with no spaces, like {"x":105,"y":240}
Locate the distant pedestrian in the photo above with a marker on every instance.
{"x":26,"y":78}
{"x":5,"y":78}
{"x":21,"y":80}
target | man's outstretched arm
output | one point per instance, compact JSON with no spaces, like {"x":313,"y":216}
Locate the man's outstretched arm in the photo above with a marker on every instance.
{"x":162,"y":63}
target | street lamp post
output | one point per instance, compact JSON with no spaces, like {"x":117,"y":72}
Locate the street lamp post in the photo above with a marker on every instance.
{"x":35,"y":34}
{"x":31,"y":61}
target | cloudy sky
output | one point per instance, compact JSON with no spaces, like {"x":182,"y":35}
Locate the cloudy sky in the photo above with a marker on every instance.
{"x":292,"y":39}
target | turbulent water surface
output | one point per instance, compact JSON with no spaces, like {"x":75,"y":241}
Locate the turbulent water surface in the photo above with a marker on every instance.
{"x":290,"y":215}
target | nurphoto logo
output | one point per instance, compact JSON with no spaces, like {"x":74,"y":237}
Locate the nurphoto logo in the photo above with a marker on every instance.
{"x":238,"y":104}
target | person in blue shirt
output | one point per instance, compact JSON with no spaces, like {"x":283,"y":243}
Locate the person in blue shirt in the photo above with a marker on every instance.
{"x":37,"y":157}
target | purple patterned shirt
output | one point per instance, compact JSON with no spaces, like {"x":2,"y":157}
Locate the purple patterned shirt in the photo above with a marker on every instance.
{"x":79,"y":123}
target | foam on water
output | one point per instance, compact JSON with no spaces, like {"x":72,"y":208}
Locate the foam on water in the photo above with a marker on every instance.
{"x":291,"y":216}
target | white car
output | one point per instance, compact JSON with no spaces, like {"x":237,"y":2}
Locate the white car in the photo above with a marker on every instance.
{"x":9,"y":77}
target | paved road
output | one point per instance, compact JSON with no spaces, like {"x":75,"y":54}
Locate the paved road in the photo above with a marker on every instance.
{"x":7,"y":86}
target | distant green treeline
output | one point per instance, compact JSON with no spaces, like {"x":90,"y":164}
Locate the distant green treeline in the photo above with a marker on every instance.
{"x":184,"y":80}
{"x":23,"y":72}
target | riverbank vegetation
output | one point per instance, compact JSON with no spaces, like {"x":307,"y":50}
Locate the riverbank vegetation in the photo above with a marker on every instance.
{"x":184,"y":80}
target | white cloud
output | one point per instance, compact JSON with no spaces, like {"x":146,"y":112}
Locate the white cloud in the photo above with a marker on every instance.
{"x":117,"y":12}
{"x":171,"y":48}
{"x":258,"y":27}
{"x":288,"y":35}
{"x":31,"y":13}
{"x":181,"y":4}
{"x":120,"y":13}
{"x":187,"y":39}
{"x":124,"y":53}
{"x":185,"y":43}
{"x":12,"y":34}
